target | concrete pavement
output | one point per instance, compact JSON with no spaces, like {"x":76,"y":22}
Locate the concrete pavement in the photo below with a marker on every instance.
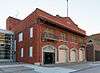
{"x":16,"y":69}
{"x":95,"y":69}
{"x":29,"y":68}
{"x":75,"y":66}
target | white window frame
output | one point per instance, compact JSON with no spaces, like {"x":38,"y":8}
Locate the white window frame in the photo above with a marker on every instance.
{"x":20,"y":37}
{"x":21,"y":52}
{"x":31,"y":51}
{"x":31,"y":32}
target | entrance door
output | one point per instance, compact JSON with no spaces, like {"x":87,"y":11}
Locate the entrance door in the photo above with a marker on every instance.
{"x":81,"y":55}
{"x":62,"y":56}
{"x":49,"y":54}
{"x":49,"y":58}
{"x":73,"y":56}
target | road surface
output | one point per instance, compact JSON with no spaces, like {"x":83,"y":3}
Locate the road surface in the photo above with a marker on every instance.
{"x":95,"y":69}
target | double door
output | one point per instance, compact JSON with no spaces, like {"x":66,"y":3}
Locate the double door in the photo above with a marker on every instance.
{"x":49,"y":58}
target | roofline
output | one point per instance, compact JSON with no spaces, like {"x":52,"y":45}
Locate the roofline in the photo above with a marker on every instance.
{"x":65,"y":27}
{"x":10,"y":17}
{"x":80,"y":31}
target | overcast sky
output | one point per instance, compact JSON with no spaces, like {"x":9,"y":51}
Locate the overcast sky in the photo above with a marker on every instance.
{"x":85,"y":13}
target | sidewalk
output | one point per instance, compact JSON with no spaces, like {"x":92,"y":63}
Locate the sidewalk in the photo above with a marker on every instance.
{"x":64,"y":68}
{"x":29,"y":68}
{"x":16,"y":68}
{"x":75,"y":66}
{"x":52,"y":68}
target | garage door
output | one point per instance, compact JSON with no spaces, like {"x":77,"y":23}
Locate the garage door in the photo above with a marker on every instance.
{"x":73,"y":56}
{"x":81,"y":55}
{"x":62,"y":56}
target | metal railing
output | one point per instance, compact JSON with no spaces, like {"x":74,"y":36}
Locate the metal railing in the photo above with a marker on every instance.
{"x":49,"y":36}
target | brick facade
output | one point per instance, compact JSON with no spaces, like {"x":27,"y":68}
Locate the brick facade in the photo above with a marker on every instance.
{"x":43,"y":23}
{"x":93,"y":47}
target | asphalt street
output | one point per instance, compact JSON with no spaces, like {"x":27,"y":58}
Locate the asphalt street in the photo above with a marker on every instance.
{"x":95,"y":69}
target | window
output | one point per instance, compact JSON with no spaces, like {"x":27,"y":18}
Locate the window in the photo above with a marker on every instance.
{"x":81,"y":39}
{"x":30,"y":51}
{"x":21,"y":52}
{"x":74,"y":38}
{"x":20,"y":36}
{"x":31,"y":32}
{"x":63,"y":36}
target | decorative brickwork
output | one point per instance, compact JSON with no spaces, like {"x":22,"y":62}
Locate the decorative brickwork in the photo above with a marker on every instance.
{"x":47,"y":30}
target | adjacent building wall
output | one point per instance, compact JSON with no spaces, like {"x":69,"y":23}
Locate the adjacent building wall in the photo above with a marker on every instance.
{"x":6,"y":45}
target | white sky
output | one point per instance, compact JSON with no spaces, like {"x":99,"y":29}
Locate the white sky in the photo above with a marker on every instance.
{"x":85,"y":13}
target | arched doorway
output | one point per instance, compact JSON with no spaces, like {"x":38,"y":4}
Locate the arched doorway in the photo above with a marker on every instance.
{"x":63,"y":54}
{"x":48,"y":54}
{"x":81,"y":54}
{"x":73,"y":55}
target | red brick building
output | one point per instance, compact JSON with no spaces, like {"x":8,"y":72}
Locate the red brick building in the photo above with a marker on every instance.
{"x":93,"y":47}
{"x":45,"y":39}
